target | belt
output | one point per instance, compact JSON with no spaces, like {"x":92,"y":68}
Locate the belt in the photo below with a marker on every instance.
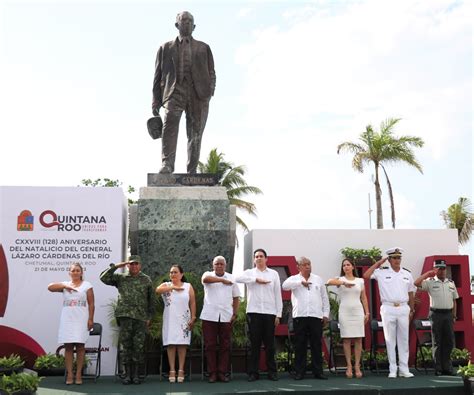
{"x":394,"y":304}
{"x":441,"y":310}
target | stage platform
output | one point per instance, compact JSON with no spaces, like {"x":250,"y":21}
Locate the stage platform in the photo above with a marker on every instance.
{"x":421,"y":384}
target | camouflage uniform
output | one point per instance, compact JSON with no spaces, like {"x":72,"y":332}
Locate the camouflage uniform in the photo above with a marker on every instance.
{"x":135,"y":306}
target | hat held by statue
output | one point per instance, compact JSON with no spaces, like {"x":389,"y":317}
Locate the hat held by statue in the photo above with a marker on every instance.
{"x":155,"y":127}
{"x":394,"y":252}
{"x":439,"y":264}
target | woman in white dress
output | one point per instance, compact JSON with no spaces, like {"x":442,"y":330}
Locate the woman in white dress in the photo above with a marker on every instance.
{"x":77,"y":319}
{"x":179,"y":317}
{"x":353,"y":313}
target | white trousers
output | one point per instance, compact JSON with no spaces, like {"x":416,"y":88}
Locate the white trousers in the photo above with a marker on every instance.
{"x":395,"y":322}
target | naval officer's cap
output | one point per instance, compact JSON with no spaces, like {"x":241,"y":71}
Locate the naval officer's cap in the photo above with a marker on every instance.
{"x":394,"y":252}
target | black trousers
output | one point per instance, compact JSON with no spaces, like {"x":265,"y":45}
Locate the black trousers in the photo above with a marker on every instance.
{"x":308,"y":329}
{"x":261,"y":329}
{"x":442,"y":335}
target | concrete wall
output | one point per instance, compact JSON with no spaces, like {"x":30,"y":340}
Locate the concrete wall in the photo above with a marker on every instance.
{"x":322,"y":246}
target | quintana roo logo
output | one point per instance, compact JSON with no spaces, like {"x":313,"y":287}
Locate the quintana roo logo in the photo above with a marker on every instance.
{"x":25,"y":221}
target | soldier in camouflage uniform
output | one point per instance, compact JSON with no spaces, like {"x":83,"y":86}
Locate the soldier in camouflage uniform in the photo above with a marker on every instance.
{"x":135,"y":307}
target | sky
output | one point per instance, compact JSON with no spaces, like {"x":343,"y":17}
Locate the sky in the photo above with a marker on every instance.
{"x":294,"y":79}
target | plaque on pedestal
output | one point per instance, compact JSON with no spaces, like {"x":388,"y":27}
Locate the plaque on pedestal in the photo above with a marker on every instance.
{"x":178,"y":179}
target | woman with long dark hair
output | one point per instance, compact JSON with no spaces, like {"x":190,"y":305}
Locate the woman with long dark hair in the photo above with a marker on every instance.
{"x":353,"y":313}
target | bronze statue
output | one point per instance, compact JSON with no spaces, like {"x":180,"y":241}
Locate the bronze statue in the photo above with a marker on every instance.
{"x":184,"y":81}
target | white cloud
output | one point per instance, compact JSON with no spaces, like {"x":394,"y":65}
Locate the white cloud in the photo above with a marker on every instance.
{"x":373,"y":60}
{"x":244,"y":12}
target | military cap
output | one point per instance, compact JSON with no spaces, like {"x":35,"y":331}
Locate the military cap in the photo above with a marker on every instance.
{"x":135,"y":258}
{"x":439,"y":263}
{"x":394,"y":252}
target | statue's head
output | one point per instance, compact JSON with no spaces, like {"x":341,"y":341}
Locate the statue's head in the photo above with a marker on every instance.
{"x":185,"y":23}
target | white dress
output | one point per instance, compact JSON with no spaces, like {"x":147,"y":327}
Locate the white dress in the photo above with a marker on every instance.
{"x":351,"y":311}
{"x":176,"y":317}
{"x":74,"y":315}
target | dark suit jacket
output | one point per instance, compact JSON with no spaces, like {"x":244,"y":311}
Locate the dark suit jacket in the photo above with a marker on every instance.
{"x":202,"y":71}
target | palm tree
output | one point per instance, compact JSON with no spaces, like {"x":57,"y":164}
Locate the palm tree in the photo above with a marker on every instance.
{"x":382,"y":148}
{"x":232,"y":178}
{"x":459,"y":216}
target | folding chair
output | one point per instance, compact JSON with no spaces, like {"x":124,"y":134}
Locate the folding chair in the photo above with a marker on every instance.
{"x":423,"y":343}
{"x":334,"y":342}
{"x":290,"y":348}
{"x":377,"y":332}
{"x":93,"y":352}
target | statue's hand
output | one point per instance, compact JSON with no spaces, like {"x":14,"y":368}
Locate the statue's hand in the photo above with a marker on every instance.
{"x":156,"y":111}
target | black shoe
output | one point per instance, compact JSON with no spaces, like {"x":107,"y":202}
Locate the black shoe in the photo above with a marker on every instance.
{"x":299,"y":376}
{"x":252,"y":377}
{"x":320,"y":376}
{"x":135,"y":379}
{"x":128,"y":375}
{"x":272,"y":376}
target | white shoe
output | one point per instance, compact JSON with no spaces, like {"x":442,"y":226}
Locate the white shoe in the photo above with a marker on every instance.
{"x":406,"y":374}
{"x":392,"y":375}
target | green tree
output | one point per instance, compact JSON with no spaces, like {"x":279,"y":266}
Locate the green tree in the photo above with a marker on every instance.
{"x":232,"y":178}
{"x":382,"y":148}
{"x":107,"y":182}
{"x":460,"y":216}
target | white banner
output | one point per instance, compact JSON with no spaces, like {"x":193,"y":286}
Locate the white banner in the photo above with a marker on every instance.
{"x":42,"y":231}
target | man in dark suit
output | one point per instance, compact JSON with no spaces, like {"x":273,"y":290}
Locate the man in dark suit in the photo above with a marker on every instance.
{"x":184,"y":81}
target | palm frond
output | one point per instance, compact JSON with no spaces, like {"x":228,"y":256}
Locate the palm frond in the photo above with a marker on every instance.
{"x":350,"y":147}
{"x":241,"y":223}
{"x":249,"y":207}
{"x":459,"y":216}
{"x":244,"y":190}
{"x":232,"y":178}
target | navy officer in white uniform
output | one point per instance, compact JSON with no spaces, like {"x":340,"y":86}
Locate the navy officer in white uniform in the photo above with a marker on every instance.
{"x":397,"y":294}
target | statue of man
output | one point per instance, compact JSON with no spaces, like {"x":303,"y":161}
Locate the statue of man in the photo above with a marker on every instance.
{"x":184,"y":81}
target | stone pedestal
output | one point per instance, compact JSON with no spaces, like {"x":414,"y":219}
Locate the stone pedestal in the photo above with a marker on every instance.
{"x":182,"y":225}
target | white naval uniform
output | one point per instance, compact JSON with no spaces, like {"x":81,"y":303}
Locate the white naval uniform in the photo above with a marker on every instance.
{"x":395,"y":312}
